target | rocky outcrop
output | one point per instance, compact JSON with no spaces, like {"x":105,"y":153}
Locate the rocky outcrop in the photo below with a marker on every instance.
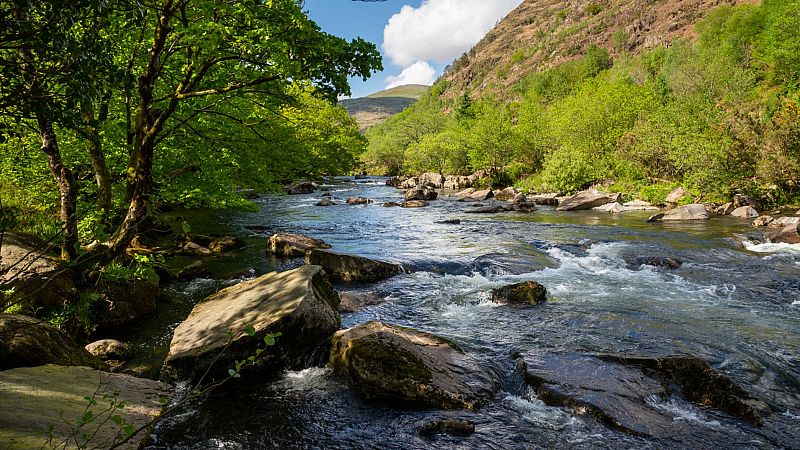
{"x":349,"y":268}
{"x":356,"y":301}
{"x":390,"y":362}
{"x":421,"y":193}
{"x":674,"y":197}
{"x":550,"y":199}
{"x":290,"y":244}
{"x":109,"y":349}
{"x":763,"y":221}
{"x":301,"y":187}
{"x":587,"y":200}
{"x":431,"y":179}
{"x":25,"y":342}
{"x":622,"y":392}
{"x":121,"y":302}
{"x":300,"y":304}
{"x":786,"y":235}
{"x":505,"y":194}
{"x":475,"y":196}
{"x":527,"y":293}
{"x":414,"y":204}
{"x":27,"y":267}
{"x":490,"y":209}
{"x":37,"y":398}
{"x":358,"y":201}
{"x":455,"y":183}
{"x":745,"y":212}
{"x":613,"y":208}
{"x":225,"y":244}
{"x":725,"y":209}
{"x":687,"y":212}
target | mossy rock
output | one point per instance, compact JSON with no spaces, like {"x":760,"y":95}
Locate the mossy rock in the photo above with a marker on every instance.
{"x":527,"y":293}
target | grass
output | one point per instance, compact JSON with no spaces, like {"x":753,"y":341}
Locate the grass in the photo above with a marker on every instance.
{"x":414,"y":91}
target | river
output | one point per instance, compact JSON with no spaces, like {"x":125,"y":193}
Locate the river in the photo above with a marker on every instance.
{"x":736,"y":308}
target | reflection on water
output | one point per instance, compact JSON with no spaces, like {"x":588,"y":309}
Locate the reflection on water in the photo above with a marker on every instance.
{"x":737,"y":308}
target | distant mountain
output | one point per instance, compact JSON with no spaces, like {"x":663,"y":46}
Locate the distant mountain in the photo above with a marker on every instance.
{"x":376,"y":108}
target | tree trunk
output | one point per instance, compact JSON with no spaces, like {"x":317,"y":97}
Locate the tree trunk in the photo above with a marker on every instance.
{"x":95,"y":146}
{"x":67,"y":186}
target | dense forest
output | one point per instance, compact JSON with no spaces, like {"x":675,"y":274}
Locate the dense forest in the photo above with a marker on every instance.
{"x":717,"y":114}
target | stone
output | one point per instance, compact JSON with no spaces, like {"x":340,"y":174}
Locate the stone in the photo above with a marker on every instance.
{"x":465,"y":193}
{"x":505,"y":194}
{"x":785,"y":221}
{"x":358,"y":201}
{"x":193,"y":271}
{"x":676,"y":196}
{"x":326,"y":202}
{"x":107,"y":349}
{"x":421,"y":193}
{"x":414,"y":204}
{"x":451,"y":221}
{"x":409,"y":183}
{"x":524,"y":207}
{"x":550,"y":199}
{"x":453,"y":427}
{"x":394,"y":181}
{"x":194,"y":249}
{"x":25,"y":342}
{"x":526,"y":293}
{"x":300,"y":304}
{"x":301,"y":187}
{"x":743,"y":200}
{"x":587,"y":200}
{"x":122,"y":302}
{"x":477,"y":196}
{"x":694,"y":211}
{"x":613,"y":208}
{"x":639,"y":205}
{"x":389,"y":362}
{"x":519,"y":198}
{"x":490,"y":209}
{"x":392,"y":204}
{"x":725,"y":209}
{"x":225,"y":244}
{"x":36,"y":398}
{"x":350,"y":268}
{"x":763,"y":221}
{"x":656,"y":217}
{"x":431,"y":179}
{"x":356,"y":301}
{"x":745,"y":212}
{"x":785,"y":235}
{"x":28,"y":266}
{"x":290,"y":244}
{"x":666,"y":262}
{"x":618,"y":391}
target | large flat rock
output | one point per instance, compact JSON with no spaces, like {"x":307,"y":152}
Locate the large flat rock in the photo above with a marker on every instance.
{"x":33,"y":399}
{"x":300,"y":304}
{"x":350,"y":268}
{"x":587,"y":200}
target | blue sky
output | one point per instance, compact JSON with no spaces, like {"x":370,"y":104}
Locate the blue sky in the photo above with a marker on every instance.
{"x":417,"y":38}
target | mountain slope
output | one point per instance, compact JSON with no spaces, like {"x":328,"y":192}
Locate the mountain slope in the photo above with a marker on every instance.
{"x":540,"y":34}
{"x":376,"y":108}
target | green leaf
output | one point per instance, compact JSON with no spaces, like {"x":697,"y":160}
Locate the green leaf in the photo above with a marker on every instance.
{"x":128,"y":430}
{"x":117,"y":419}
{"x":87,"y":417}
{"x":250,"y":330}
{"x":232,"y":372}
{"x":269,"y":339}
{"x":121,"y":405}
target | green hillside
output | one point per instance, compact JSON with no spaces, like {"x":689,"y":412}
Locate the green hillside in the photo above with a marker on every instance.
{"x":414,"y":91}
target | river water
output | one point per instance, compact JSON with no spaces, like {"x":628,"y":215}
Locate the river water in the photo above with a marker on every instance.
{"x":737,"y":308}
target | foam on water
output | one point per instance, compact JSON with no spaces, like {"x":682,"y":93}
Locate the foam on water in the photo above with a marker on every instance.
{"x":306,"y":379}
{"x":780,"y":248}
{"x":682,"y":411}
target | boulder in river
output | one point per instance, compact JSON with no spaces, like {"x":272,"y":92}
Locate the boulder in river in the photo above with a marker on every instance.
{"x":300,"y":304}
{"x":123,"y":301}
{"x":783,"y":222}
{"x":392,"y":204}
{"x":385,"y":361}
{"x":490,"y":209}
{"x":476,"y":196}
{"x":505,"y":194}
{"x":350,"y":268}
{"x":453,"y":427}
{"x":724,"y":209}
{"x":356,"y":301}
{"x":326,"y":202}
{"x":666,"y":262}
{"x":109,"y":349}
{"x":745,"y":212}
{"x":421,"y":193}
{"x":195,"y":249}
{"x":613,"y":208}
{"x":358,"y":201}
{"x":550,"y":199}
{"x":695,"y":211}
{"x":465,"y":193}
{"x":786,"y":235}
{"x":301,"y":187}
{"x":414,"y":204}
{"x":624,"y":393}
{"x":290,"y":244}
{"x":25,"y":341}
{"x":431,"y":179}
{"x":587,"y":200}
{"x":763,"y":221}
{"x":526,"y":293}
{"x":28,"y":267}
{"x":193,"y":271}
{"x":225,"y":244}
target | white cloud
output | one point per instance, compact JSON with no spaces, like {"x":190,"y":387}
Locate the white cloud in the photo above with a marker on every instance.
{"x":418,"y":73}
{"x":440,"y":30}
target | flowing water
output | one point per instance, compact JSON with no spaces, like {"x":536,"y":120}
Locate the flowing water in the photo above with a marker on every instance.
{"x":737,"y":308}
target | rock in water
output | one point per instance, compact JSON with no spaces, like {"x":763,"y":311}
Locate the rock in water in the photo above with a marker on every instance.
{"x":391,"y":362}
{"x":452,"y":427}
{"x":358,"y":201}
{"x":421,"y":193}
{"x":527,"y":293}
{"x":106,"y":349}
{"x":763,"y":221}
{"x":356,"y":301}
{"x":613,"y":208}
{"x":414,"y":204}
{"x":25,"y":341}
{"x":288,"y":244}
{"x":587,"y":200}
{"x":35,"y":398}
{"x":301,"y":187}
{"x":349,"y":268}
{"x":491,"y":209}
{"x":687,"y":212}
{"x":666,"y":262}
{"x":326,"y":202}
{"x":27,"y":267}
{"x":745,"y":212}
{"x":300,"y":304}
{"x":225,"y":244}
{"x":787,"y":235}
{"x":123,"y":301}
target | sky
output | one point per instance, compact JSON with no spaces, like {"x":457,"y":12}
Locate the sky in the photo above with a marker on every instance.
{"x":417,"y":38}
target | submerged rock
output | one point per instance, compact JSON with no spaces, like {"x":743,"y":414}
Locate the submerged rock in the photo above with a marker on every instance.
{"x":289,"y":244}
{"x":225,"y":244}
{"x":300,"y":304}
{"x":666,"y":262}
{"x":385,"y":361}
{"x":687,"y":212}
{"x":491,"y":209}
{"x":587,"y":200}
{"x":527,"y":293}
{"x":623,"y":392}
{"x":37,"y":398}
{"x":326,"y":202}
{"x":25,"y":342}
{"x":414,"y":204}
{"x":453,"y":427}
{"x":358,"y":201}
{"x":356,"y":301}
{"x":349,"y":268}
